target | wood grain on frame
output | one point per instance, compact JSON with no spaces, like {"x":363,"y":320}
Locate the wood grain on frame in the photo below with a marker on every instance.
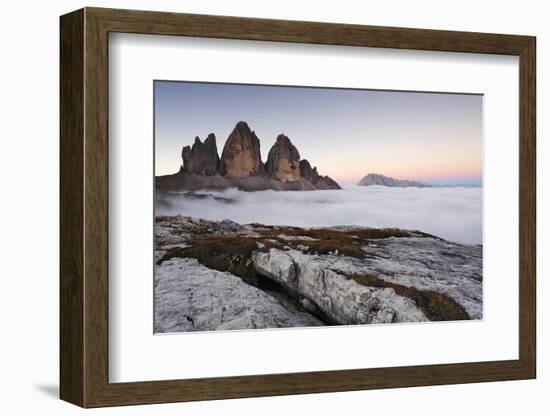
{"x":71,"y":208}
{"x":84,"y":207}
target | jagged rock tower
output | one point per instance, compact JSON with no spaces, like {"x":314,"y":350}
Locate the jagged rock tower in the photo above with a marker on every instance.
{"x":202,"y":158}
{"x":241,"y":166}
{"x":241,"y":154}
{"x":283,"y":161}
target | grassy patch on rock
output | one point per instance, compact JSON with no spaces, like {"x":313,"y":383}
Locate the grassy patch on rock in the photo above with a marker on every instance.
{"x":329,"y":241}
{"x":377,"y":233}
{"x":337,"y":235}
{"x":436,"y":306}
{"x":331,"y":247}
{"x":224,"y":253}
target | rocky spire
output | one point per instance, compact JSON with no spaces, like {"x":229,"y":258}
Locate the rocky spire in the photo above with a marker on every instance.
{"x":202,"y":158}
{"x":241,"y":154}
{"x":283,"y":161}
{"x":242,"y":167}
{"x":312,"y":176}
{"x":307,"y":172}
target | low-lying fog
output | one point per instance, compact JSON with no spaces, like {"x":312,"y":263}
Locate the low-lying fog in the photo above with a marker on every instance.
{"x":451,"y":213}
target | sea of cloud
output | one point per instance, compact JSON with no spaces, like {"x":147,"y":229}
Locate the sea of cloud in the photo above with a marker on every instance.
{"x":453,"y":213}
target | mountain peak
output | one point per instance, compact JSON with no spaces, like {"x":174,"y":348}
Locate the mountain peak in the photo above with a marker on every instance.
{"x":241,"y":165}
{"x":210,"y":140}
{"x":382,"y":180}
{"x":243,"y":127}
{"x":202,"y":158}
{"x":241,"y":153}
{"x":283,"y":160}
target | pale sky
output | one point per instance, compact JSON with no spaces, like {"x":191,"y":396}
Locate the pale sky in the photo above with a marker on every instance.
{"x":346,"y":133}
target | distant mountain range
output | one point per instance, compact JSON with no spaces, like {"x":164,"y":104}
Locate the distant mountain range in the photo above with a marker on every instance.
{"x":240,"y":166}
{"x":382,"y":180}
{"x":377,"y":179}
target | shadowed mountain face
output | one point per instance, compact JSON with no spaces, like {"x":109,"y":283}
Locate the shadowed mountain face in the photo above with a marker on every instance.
{"x":202,"y":158}
{"x":241,"y":166}
{"x":311,"y":175}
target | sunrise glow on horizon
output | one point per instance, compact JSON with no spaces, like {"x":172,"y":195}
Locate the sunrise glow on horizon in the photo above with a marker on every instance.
{"x":432,"y":137}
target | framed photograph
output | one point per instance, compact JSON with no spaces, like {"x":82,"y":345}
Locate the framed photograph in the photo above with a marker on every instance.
{"x":255,"y":207}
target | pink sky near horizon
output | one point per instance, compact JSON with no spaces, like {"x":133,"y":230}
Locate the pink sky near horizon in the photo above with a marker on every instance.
{"x":345,"y":133}
{"x":436,"y":169}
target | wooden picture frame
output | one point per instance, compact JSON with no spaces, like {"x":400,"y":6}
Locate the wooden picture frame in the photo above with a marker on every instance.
{"x":84,"y":207}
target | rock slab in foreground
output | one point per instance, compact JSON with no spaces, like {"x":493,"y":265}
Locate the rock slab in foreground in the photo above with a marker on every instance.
{"x":344,"y":300}
{"x":191,"y":297}
{"x":338,"y":275}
